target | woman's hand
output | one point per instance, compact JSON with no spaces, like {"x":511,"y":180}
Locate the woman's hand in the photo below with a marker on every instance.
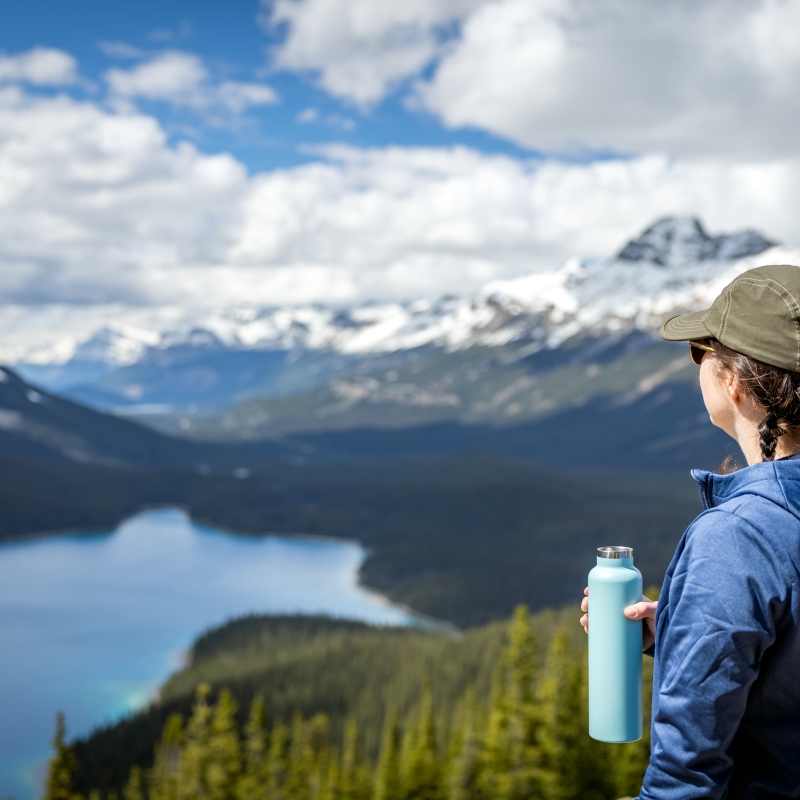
{"x":645,"y":609}
{"x":585,"y":607}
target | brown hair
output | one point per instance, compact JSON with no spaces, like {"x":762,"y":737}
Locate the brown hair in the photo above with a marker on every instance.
{"x":776,"y":390}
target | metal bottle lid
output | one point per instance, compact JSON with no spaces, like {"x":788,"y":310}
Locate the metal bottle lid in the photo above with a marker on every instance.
{"x":615,"y":552}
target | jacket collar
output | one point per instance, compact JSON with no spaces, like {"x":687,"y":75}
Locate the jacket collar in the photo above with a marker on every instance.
{"x":762,"y":479}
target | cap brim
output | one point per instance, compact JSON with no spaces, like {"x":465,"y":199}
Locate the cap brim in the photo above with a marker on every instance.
{"x":685,"y":327}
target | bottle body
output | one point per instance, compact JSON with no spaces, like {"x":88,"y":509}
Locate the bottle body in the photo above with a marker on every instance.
{"x":615,"y":649}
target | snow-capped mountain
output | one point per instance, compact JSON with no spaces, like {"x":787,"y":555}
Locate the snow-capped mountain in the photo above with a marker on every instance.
{"x":673,"y":265}
{"x":219,"y":360}
{"x":676,"y":241}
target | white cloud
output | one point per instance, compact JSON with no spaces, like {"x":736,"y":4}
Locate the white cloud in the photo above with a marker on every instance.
{"x":307,"y":115}
{"x":121,"y":50}
{"x":181,"y":79}
{"x":717,"y":77}
{"x":41,"y":66}
{"x":360,"y":48}
{"x":402,"y":222}
{"x":172,"y":76}
{"x":312,"y":115}
{"x":697,"y":79}
{"x":98,"y":211}
{"x":95,"y":207}
{"x":238,"y":96}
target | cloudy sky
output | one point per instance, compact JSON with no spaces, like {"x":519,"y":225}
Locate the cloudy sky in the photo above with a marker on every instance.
{"x":190,"y":154}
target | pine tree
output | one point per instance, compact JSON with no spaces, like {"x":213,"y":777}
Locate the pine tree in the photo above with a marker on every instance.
{"x":134,"y":789}
{"x":253,"y":783}
{"x":387,"y":774}
{"x":353,"y":778}
{"x":420,"y":770}
{"x":224,"y":766}
{"x":324,"y":773}
{"x":61,"y":767}
{"x":307,"y":751}
{"x":510,"y":767}
{"x":561,"y":733}
{"x":194,"y":759}
{"x":163,"y":779}
{"x":275,"y":775}
{"x":463,"y":773}
{"x":327,"y":781}
{"x":297,"y":761}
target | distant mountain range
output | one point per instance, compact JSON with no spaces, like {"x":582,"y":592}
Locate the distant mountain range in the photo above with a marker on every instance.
{"x":674,"y":264}
{"x":516,"y":352}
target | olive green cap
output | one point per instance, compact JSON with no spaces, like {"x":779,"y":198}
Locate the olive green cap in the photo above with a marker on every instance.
{"x":758,"y":315}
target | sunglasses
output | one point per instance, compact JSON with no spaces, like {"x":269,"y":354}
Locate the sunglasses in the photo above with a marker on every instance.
{"x":697,"y":350}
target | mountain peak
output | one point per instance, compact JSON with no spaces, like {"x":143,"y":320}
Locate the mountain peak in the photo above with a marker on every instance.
{"x":116,"y":343}
{"x":673,"y":241}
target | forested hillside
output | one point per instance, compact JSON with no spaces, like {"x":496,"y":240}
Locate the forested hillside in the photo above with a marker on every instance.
{"x":460,"y":538}
{"x":313,"y":708}
{"x":40,"y":425}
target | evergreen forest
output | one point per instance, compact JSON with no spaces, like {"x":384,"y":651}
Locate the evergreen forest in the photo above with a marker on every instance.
{"x":315,"y":709}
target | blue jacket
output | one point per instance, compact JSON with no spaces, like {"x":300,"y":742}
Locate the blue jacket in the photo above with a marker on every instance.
{"x":726,"y":688}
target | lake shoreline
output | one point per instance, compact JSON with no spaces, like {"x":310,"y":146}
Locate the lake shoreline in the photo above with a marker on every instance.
{"x":98,"y":620}
{"x":434,"y":623}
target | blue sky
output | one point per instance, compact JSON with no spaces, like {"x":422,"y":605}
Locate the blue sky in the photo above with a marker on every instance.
{"x":164,"y":158}
{"x":230,"y":40}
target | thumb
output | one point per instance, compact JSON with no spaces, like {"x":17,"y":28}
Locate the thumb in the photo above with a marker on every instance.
{"x":637,"y":611}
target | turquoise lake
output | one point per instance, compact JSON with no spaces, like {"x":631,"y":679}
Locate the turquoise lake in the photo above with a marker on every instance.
{"x":91,"y":624}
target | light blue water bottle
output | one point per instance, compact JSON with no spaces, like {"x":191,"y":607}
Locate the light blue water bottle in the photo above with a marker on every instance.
{"x":615,"y":648}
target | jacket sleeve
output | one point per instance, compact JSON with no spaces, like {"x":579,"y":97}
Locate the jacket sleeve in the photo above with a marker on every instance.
{"x":718,"y":625}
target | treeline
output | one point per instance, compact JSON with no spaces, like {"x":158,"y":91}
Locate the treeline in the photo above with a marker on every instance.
{"x":527,"y":739}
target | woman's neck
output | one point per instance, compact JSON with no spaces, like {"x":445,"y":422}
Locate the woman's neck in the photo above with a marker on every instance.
{"x":787,"y":445}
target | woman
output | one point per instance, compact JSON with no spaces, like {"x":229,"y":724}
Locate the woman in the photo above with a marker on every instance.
{"x":725,"y":633}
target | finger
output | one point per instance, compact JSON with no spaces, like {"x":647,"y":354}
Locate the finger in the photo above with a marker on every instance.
{"x":585,"y":604}
{"x":640,"y":610}
{"x":586,"y":591}
{"x":636,"y":611}
{"x":585,"y":620}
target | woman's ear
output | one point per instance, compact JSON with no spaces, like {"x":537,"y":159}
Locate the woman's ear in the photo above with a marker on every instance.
{"x":732,"y":385}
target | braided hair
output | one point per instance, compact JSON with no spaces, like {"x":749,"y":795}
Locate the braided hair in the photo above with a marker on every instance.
{"x":775,"y":390}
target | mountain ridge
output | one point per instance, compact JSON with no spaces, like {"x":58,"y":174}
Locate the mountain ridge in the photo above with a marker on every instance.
{"x":36,"y":424}
{"x":542,"y":307}
{"x":512,"y":352}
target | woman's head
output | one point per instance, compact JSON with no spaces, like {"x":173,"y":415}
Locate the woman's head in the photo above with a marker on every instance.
{"x":763,"y":396}
{"x":749,"y":340}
